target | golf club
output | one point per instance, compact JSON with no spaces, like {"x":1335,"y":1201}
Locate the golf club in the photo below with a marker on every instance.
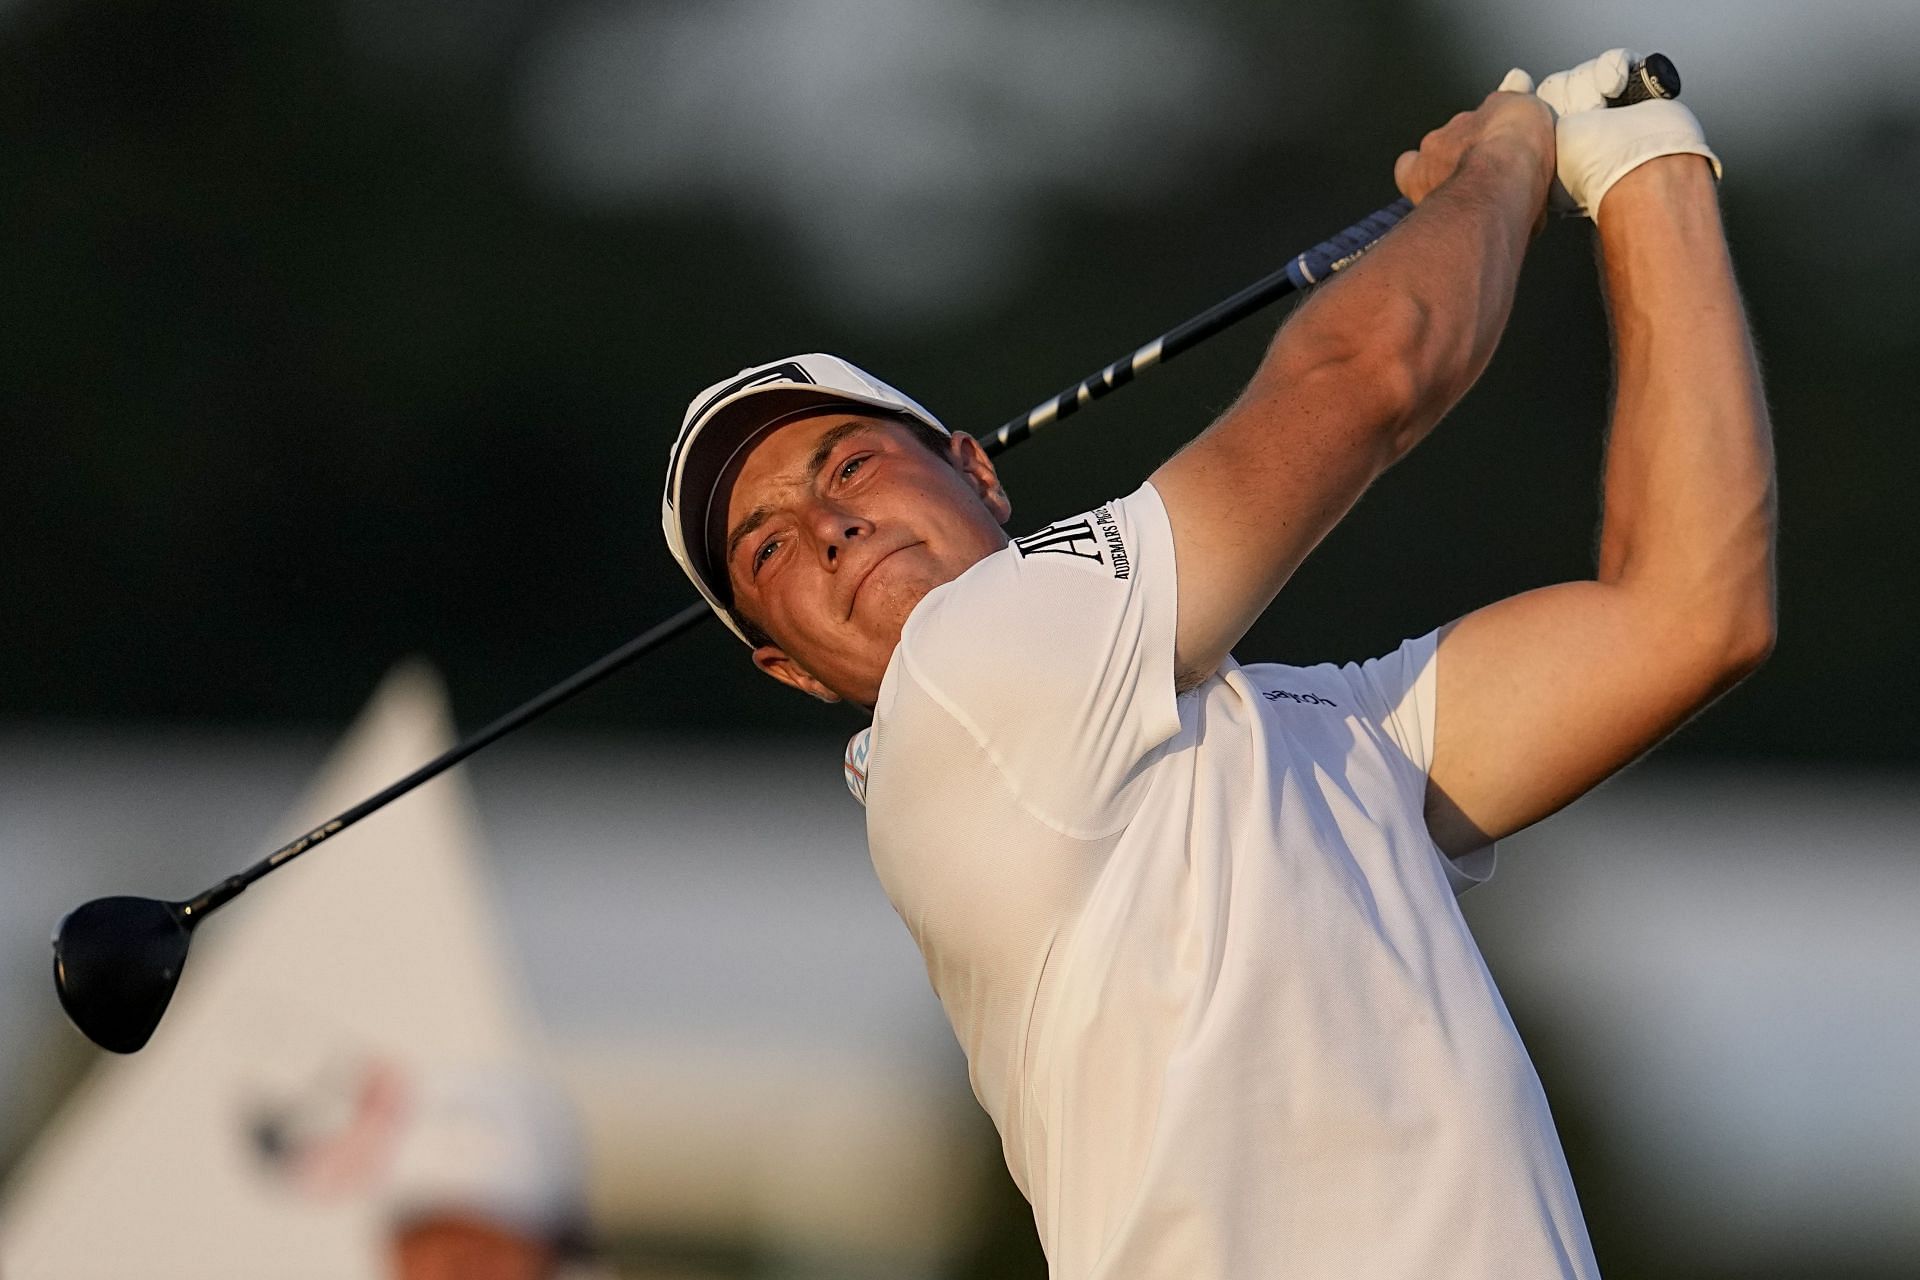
{"x":116,"y":961}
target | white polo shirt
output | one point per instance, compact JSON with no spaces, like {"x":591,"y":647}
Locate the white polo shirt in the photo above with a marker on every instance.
{"x":1201,"y":951}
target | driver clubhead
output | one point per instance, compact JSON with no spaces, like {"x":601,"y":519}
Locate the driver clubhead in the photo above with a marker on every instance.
{"x":115,"y":964}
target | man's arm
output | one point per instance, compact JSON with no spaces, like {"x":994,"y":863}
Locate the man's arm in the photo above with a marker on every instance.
{"x":1542,"y":696}
{"x":1357,"y":377}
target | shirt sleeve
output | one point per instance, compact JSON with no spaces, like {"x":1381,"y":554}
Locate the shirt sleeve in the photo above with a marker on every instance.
{"x":1056,"y":655}
{"x":1399,"y":692}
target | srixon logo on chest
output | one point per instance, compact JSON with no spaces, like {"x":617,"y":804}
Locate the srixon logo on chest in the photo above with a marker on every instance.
{"x":1305,"y":699}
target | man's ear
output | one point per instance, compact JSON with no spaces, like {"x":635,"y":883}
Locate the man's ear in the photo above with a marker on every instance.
{"x":776,"y":662}
{"x":971,"y":461}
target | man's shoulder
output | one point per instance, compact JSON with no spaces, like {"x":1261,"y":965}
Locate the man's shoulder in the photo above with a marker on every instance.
{"x":1050,"y":661}
{"x":1037,"y":587}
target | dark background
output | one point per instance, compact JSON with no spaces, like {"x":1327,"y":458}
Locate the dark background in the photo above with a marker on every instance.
{"x":303,"y":370}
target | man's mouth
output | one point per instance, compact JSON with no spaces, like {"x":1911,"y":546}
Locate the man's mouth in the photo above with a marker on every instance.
{"x":854,"y":597}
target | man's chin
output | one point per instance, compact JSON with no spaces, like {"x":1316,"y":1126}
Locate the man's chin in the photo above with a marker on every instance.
{"x":859,"y":662}
{"x":886,"y":611}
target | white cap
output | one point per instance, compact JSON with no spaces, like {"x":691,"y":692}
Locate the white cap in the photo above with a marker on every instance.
{"x":497,"y":1144}
{"x":728,"y":416}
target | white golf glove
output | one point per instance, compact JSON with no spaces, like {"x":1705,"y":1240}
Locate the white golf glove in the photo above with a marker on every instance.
{"x":1596,"y":147}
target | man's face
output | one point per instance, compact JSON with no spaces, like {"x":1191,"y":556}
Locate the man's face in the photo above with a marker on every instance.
{"x":837,"y":524}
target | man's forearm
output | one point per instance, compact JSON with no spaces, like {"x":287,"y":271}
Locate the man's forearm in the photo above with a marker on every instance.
{"x":1689,"y":481}
{"x":1426,"y":306}
{"x":1357,"y":376}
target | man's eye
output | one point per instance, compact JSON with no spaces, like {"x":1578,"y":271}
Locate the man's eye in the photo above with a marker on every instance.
{"x":766,"y":550}
{"x":852,"y":465}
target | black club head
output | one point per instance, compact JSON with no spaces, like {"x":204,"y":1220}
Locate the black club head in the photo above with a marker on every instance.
{"x":115,"y":964}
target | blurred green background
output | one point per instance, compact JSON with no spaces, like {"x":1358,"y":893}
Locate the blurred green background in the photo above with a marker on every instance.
{"x":341,"y":329}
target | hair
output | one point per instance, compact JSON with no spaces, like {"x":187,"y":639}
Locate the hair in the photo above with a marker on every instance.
{"x":933,"y":439}
{"x":755,"y":636}
{"x":937,"y":441}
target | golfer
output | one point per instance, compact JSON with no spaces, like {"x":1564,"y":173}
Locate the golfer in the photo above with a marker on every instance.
{"x":1193,"y":921}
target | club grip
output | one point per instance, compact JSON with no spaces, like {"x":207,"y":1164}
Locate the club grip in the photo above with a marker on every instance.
{"x":1654,"y":76}
{"x":1327,"y":257}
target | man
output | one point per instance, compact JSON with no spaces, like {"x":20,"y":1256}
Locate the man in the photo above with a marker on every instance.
{"x":1192,"y":920}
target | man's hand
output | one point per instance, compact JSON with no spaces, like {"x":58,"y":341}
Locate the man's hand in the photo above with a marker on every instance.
{"x":1511,"y":120}
{"x":1596,"y":148}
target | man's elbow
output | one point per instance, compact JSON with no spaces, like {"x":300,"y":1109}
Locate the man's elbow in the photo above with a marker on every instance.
{"x":1698,"y":647}
{"x":1749,"y":613}
{"x":1724,"y":646}
{"x":1750,"y":639}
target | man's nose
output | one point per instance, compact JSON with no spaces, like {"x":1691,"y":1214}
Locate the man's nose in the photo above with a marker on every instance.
{"x":835,"y":529}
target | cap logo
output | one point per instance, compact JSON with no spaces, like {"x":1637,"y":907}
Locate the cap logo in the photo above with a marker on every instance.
{"x":790,"y":371}
{"x":786,"y":371}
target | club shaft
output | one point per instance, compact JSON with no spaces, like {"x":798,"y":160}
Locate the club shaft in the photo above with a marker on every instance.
{"x":1652,"y":77}
{"x":582,"y":680}
{"x":1655,"y":77}
{"x":1302,"y":271}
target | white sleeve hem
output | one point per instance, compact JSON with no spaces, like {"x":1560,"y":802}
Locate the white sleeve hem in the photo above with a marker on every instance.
{"x":1470,"y":869}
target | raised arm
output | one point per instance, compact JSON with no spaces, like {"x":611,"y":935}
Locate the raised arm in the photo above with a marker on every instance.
{"x":1358,"y":375}
{"x":1543,"y":695}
